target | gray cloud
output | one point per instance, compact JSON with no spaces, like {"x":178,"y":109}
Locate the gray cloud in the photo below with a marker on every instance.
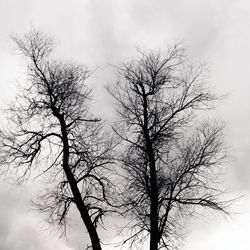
{"x":20,"y":229}
{"x":101,"y":32}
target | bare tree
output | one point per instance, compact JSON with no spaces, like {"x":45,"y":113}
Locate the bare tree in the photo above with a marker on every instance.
{"x":52,"y":131}
{"x":171,"y":163}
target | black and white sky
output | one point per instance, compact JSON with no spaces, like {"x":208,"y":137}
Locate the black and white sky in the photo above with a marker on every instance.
{"x":99,"y":33}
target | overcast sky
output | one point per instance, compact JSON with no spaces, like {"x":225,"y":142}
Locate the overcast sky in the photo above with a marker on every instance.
{"x":98,"y":33}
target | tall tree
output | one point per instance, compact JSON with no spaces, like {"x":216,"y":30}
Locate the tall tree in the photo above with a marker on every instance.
{"x":170,"y":162}
{"x":52,"y":130}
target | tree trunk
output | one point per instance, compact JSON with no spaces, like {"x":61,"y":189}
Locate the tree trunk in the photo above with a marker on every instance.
{"x":95,"y":241}
{"x":154,"y":235}
{"x":153,"y":203}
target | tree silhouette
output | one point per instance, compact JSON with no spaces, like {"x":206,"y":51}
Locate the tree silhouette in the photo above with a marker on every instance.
{"x":52,"y":131}
{"x":171,"y":162}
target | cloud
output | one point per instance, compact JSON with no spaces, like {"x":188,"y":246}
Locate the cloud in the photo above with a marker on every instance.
{"x":20,"y":229}
{"x":101,"y":32}
{"x":229,"y":234}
